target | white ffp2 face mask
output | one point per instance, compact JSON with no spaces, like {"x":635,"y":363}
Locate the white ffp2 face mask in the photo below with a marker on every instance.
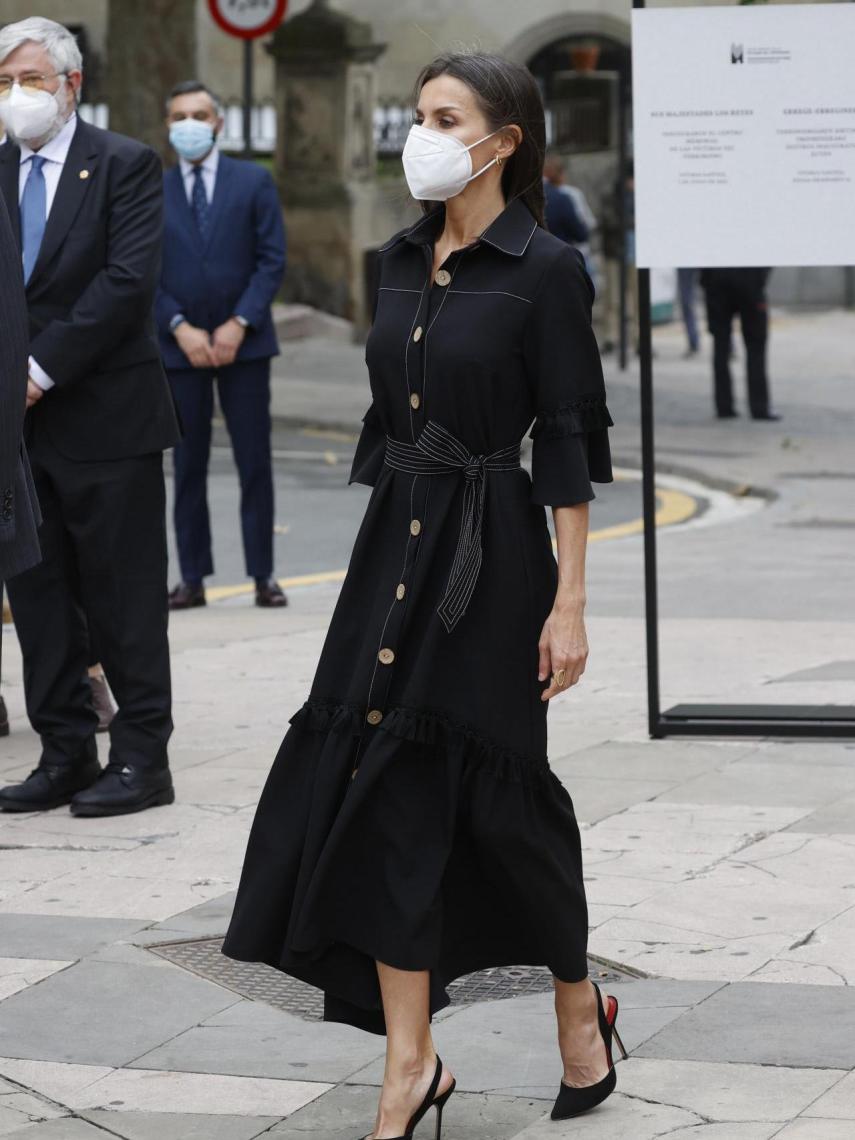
{"x":438,"y":165}
{"x":30,"y":115}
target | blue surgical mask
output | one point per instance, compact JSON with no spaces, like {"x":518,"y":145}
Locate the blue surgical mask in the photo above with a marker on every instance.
{"x":191,"y":138}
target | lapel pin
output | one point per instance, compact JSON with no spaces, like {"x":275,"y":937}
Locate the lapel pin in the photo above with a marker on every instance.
{"x":84,"y":173}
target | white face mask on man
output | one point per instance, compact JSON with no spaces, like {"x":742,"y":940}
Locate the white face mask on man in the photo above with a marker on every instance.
{"x":437,"y":165}
{"x":29,"y":114}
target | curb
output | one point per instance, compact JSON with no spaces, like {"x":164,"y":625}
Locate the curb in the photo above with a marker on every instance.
{"x":738,"y":489}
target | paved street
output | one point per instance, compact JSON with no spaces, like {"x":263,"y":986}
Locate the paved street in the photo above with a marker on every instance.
{"x":317,"y":520}
{"x":720,"y":872}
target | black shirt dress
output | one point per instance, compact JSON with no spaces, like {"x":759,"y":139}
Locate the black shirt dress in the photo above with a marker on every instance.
{"x":411,"y":816}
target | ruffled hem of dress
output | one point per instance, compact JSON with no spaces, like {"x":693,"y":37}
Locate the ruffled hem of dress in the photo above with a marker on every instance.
{"x":431,"y":729}
{"x":573,"y":417}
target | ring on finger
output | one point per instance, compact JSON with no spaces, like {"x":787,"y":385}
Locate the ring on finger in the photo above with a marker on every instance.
{"x":558,"y":678}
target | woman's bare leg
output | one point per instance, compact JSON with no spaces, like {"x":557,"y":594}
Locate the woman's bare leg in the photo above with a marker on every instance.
{"x":410,"y":1053}
{"x":582,"y":1050}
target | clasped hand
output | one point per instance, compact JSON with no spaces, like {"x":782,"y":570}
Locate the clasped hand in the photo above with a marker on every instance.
{"x":210,"y":350}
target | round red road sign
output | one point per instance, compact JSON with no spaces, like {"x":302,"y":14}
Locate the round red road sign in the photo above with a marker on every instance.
{"x":248,"y":19}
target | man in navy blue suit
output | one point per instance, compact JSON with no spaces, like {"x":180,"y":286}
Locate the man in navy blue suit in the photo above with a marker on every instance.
{"x":223,"y":260}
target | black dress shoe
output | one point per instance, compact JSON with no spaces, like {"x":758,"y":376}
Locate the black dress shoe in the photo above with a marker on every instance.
{"x":731,"y":415}
{"x":767,"y":416}
{"x":49,"y":786}
{"x":270,"y":594}
{"x":186,"y":596}
{"x":121,"y":790}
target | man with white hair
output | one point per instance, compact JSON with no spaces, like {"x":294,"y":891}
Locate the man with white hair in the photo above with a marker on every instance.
{"x":86,"y":206}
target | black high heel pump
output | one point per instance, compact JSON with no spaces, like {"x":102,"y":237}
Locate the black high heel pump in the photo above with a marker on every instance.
{"x":431,"y":1100}
{"x":574,"y":1101}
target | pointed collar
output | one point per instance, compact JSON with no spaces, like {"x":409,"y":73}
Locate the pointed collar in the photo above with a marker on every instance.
{"x":57,"y":149}
{"x":510,"y":232}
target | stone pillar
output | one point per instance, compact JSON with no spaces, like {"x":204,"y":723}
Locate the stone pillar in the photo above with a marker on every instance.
{"x":325,"y":158}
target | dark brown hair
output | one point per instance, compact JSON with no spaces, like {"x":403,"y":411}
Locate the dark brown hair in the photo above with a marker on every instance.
{"x":507,"y":95}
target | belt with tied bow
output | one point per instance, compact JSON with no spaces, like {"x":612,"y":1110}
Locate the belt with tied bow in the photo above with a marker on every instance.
{"x":438,"y":452}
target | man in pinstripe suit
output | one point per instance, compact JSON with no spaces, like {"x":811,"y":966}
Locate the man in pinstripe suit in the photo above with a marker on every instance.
{"x":19,"y":512}
{"x":19,"y":543}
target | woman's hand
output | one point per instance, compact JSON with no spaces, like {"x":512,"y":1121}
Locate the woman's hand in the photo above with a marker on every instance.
{"x":563,"y":645}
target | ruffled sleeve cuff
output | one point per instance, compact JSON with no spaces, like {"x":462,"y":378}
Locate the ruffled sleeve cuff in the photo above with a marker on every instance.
{"x":370,"y":450}
{"x":570,"y":452}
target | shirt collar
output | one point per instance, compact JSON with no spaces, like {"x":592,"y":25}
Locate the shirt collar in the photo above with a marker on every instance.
{"x":510,"y":232}
{"x":208,"y":164}
{"x":57,"y":149}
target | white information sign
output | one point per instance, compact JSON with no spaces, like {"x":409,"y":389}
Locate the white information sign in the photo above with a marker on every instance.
{"x":744,"y":135}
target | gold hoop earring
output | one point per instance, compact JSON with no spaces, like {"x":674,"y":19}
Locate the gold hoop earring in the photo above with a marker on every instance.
{"x":499,"y":160}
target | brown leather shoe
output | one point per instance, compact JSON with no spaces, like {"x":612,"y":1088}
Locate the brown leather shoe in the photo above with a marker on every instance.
{"x":270,"y":594}
{"x":186,"y":597}
{"x":102,"y":702}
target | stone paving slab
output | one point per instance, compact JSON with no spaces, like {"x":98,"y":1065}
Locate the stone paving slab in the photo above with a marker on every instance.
{"x":348,"y":1112}
{"x":84,"y":1087}
{"x":595,"y":799}
{"x":835,"y":819}
{"x":755,"y":781}
{"x":812,"y":1128}
{"x":787,"y":1025}
{"x":180,"y":1125}
{"x":18,"y":974}
{"x":66,"y":937}
{"x":619,"y":1118}
{"x":673,"y":761}
{"x":206,"y":920}
{"x":510,"y":1046}
{"x":254,"y":1039}
{"x":63,"y":1128}
{"x":838,"y":1103}
{"x":722,"y":1091}
{"x":109,"y":1013}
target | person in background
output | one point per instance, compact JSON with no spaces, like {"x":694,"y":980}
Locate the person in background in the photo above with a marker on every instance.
{"x":619,"y":243}
{"x":730,"y":292}
{"x":686,"y":279}
{"x":87,"y":205}
{"x":19,"y":511}
{"x":555,"y":173}
{"x":561,"y":215}
{"x":224,"y":257}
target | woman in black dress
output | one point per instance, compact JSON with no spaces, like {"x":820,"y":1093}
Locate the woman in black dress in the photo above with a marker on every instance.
{"x":411,"y":830}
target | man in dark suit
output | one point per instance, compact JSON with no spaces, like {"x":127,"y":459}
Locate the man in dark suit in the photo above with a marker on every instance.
{"x":561,"y":216}
{"x":224,"y":256}
{"x":19,"y":512}
{"x":87,"y":207}
{"x":742,"y":291}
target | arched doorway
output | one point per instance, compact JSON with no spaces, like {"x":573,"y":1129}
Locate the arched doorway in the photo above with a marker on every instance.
{"x":582,"y":63}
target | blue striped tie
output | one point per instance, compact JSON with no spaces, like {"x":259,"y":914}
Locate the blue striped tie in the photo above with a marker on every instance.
{"x":33,"y":213}
{"x":200,"y":203}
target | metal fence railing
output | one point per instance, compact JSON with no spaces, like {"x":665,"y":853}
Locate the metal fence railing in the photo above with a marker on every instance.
{"x":231,"y":139}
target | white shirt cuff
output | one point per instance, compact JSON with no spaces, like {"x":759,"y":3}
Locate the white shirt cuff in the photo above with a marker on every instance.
{"x":38,"y":374}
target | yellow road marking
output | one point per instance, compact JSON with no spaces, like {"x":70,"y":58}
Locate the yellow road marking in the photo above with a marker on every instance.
{"x":673,"y":507}
{"x":218,"y":593}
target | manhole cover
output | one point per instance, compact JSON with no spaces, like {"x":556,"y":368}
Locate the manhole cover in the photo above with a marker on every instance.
{"x":263,"y":983}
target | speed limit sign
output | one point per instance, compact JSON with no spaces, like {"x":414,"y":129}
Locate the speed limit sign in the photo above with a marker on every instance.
{"x":248,"y":19}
